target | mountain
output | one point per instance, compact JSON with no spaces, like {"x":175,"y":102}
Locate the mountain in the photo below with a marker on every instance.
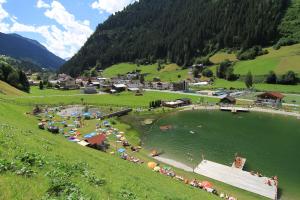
{"x":180,"y":31}
{"x":25,"y":49}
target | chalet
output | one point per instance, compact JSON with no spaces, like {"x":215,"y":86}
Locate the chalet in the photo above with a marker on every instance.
{"x":181,"y":86}
{"x":89,"y":89}
{"x":103,"y":80}
{"x":119,"y":87}
{"x":105,"y":87}
{"x":33,"y":83}
{"x":97,"y":142}
{"x":177,"y":103}
{"x":160,"y":86}
{"x":228,"y":100}
{"x":270,"y":98}
{"x":66,"y":82}
{"x":132,"y":75}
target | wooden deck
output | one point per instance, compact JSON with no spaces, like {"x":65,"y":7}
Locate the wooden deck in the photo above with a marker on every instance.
{"x":235,"y":109}
{"x":238,"y":178}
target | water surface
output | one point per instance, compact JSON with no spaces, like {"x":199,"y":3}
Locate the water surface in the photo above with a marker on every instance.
{"x":271,"y":143}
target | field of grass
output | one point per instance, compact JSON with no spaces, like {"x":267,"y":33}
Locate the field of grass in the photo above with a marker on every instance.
{"x":54,"y":163}
{"x":221,"y":83}
{"x":170,"y":72}
{"x":6,"y":89}
{"x":222,"y":56}
{"x":282,"y":60}
{"x":123,"y":100}
{"x":35,"y":91}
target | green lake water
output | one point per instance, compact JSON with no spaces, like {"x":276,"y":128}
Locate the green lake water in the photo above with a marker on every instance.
{"x":271,"y":143}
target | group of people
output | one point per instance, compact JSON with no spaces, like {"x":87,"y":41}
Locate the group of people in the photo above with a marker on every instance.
{"x":133,"y":159}
{"x":205,"y":185}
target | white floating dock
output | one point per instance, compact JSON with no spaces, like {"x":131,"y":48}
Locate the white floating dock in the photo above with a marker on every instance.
{"x":238,"y":178}
{"x":234,"y":109}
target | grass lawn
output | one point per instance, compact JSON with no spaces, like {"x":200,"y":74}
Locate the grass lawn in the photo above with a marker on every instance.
{"x":222,"y":56}
{"x":171,"y":72}
{"x":221,"y":83}
{"x":282,"y":60}
{"x":35,"y":91}
{"x":123,"y":100}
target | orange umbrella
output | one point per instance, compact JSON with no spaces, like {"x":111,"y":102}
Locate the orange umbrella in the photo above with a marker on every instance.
{"x":152,"y":165}
{"x":206,"y":184}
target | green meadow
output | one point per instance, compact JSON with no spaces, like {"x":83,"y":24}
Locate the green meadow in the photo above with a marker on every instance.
{"x":280,"y":61}
{"x":170,"y":72}
{"x":221,"y":83}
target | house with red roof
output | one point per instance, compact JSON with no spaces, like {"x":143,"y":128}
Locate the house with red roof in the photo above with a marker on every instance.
{"x":270,"y":98}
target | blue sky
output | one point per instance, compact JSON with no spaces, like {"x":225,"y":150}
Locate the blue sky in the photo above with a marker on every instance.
{"x":61,"y":25}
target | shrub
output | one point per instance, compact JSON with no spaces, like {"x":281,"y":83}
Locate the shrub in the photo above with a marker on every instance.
{"x":271,"y":78}
{"x":207,"y":73}
{"x":250,"y":54}
{"x":284,"y":42}
{"x":31,"y":159}
{"x":127,"y":195}
{"x":25,"y":171}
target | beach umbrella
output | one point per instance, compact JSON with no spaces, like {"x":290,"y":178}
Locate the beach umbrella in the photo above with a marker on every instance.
{"x":121,"y":150}
{"x":207,"y":184}
{"x":88,"y":136}
{"x":156,"y":169}
{"x":152,"y":165}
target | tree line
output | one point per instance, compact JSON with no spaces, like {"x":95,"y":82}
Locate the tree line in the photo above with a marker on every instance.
{"x":14,"y":77}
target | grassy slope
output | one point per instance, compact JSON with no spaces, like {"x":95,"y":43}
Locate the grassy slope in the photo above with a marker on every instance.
{"x":119,"y":174}
{"x":7,"y":89}
{"x":169,"y":73}
{"x":221,"y":56}
{"x":282,"y":60}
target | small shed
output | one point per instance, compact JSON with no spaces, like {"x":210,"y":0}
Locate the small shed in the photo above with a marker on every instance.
{"x":228,"y":100}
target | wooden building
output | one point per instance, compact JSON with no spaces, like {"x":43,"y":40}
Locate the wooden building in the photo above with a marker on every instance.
{"x":270,"y":98}
{"x":228,"y":100}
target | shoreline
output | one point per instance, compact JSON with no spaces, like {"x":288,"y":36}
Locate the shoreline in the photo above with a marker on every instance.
{"x":174,"y":163}
{"x":253,"y":109}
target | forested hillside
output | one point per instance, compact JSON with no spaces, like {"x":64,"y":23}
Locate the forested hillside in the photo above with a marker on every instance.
{"x":21,"y":64}
{"x":179,"y":31}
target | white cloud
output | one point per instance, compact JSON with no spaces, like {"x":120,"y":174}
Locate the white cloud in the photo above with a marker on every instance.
{"x":64,"y":41}
{"x":111,"y":6}
{"x":42,"y":4}
{"x":3,"y":13}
